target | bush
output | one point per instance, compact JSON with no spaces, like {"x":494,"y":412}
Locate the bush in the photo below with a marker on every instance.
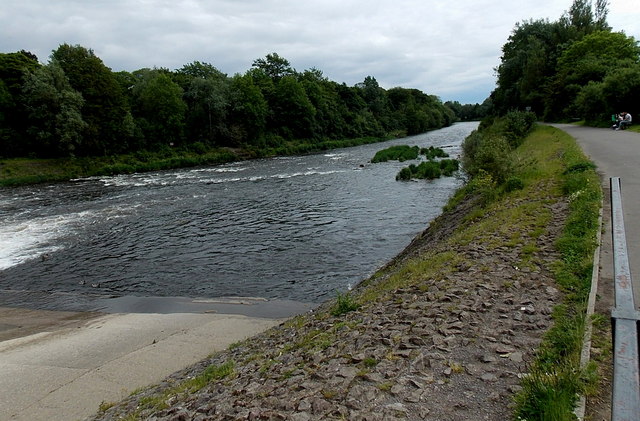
{"x":432,"y":153}
{"x":429,"y":170}
{"x":517,"y":125}
{"x":449,"y":166}
{"x":404,"y":174}
{"x":399,"y":152}
{"x":513,"y":183}
{"x":490,"y":154}
{"x":344,"y":304}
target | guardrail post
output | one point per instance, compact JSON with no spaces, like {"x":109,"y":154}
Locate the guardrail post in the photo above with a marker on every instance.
{"x":626,"y":363}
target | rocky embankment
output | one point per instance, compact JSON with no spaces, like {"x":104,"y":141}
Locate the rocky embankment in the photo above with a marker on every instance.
{"x":451,"y":346}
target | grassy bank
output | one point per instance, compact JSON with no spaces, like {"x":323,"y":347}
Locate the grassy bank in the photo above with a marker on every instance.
{"x":497,"y":250}
{"x":552,"y":169}
{"x":21,"y":171}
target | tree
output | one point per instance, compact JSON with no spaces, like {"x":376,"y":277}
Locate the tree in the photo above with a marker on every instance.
{"x":373,"y":95}
{"x":248,"y":111}
{"x":589,"y":59}
{"x":274,"y":66}
{"x":621,"y":90}
{"x":322,"y":93}
{"x":207,"y":97}
{"x":293,"y":113}
{"x":159,"y":109}
{"x":13,"y":117}
{"x":104,"y":109}
{"x":54,"y":109}
{"x":527,"y":64}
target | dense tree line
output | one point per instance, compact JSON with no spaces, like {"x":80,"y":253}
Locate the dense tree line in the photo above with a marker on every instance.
{"x":76,"y":106}
{"x":573,"y":68}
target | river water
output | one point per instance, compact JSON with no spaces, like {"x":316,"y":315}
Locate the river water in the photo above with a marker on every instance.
{"x":296,"y":228}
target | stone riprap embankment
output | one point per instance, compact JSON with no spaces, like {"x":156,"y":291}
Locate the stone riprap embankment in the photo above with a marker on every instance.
{"x":448,"y":347}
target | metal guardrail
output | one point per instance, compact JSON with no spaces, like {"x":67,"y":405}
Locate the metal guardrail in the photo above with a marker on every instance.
{"x":626,"y":359}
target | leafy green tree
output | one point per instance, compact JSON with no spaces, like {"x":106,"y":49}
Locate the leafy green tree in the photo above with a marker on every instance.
{"x":54,"y":110}
{"x":374,"y":96}
{"x":591,"y":104}
{"x":104,"y":109}
{"x":528,"y":68}
{"x":621,"y":90}
{"x":274,"y":66}
{"x":584,"y":18}
{"x":196,"y":69}
{"x":589,"y":59}
{"x":207,"y":94}
{"x":13,"y":116}
{"x":248,"y":111}
{"x":293,"y":112}
{"x":329,"y":118}
{"x":527,"y":64}
{"x":159,"y":109}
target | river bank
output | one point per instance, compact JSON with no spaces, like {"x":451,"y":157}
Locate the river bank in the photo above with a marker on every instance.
{"x":452,"y":346}
{"x":25,"y":171}
{"x":449,"y":330}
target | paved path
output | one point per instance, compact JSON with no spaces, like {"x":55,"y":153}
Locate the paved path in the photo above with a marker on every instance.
{"x":66,"y":373}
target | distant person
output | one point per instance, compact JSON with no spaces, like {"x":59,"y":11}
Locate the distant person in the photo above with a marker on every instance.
{"x":617,"y":118}
{"x":625,"y":122}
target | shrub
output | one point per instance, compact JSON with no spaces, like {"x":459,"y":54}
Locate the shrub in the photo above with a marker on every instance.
{"x":491,"y":154}
{"x":513,"y":183}
{"x":344,"y":304}
{"x":432,"y":153}
{"x":449,"y":166}
{"x":517,"y":125}
{"x":399,"y":152}
{"x":404,"y":174}
{"x":428,"y":170}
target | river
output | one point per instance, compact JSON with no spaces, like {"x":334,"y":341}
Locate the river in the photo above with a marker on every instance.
{"x":295,"y":228}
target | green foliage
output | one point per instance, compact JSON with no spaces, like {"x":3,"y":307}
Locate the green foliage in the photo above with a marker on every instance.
{"x":104,"y":108}
{"x":54,"y":112}
{"x":158,"y":108}
{"x":399,"y":152}
{"x":470,"y":112}
{"x":76,"y":106}
{"x":487,"y":154}
{"x":513,"y":183}
{"x":449,"y":166}
{"x":433,"y":153}
{"x":428,"y":170}
{"x":517,"y":124}
{"x":557,"y":69}
{"x":345,"y":303}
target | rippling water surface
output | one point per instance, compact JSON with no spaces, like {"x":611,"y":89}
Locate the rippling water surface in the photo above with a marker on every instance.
{"x":295,"y":228}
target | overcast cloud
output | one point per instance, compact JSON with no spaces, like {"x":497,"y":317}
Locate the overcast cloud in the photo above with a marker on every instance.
{"x":443,"y":48}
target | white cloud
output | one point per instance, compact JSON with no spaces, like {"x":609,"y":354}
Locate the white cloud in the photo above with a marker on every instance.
{"x":447,"y":49}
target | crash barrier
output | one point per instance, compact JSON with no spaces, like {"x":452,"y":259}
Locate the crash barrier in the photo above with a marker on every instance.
{"x":626,"y":381}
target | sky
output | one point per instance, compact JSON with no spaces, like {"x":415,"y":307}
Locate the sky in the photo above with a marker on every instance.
{"x":448,"y":49}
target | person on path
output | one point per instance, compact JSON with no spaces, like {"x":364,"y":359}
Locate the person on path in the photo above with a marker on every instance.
{"x":625,"y":121}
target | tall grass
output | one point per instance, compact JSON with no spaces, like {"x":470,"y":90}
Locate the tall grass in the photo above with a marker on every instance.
{"x":555,"y":378}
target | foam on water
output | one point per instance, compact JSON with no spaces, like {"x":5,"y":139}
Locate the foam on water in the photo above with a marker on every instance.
{"x":27,"y":240}
{"x":35,"y":238}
